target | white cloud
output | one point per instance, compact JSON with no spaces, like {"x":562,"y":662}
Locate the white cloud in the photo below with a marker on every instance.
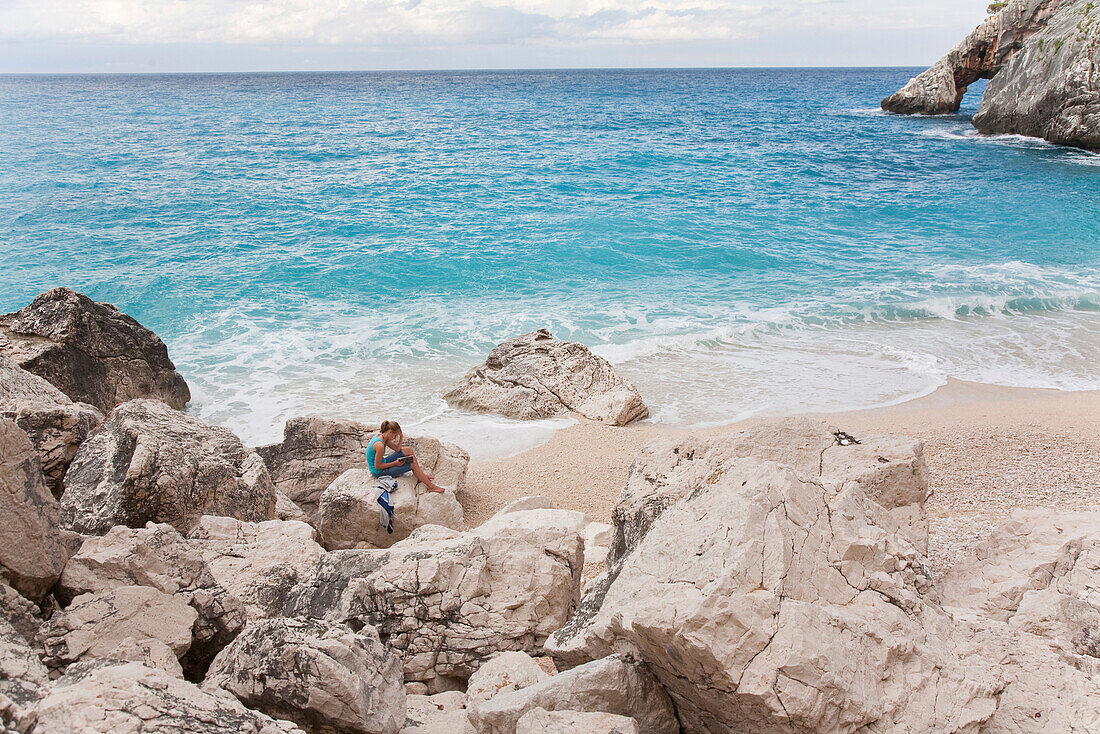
{"x":412,"y":23}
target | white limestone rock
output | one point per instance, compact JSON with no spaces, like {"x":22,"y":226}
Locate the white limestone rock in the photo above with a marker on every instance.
{"x":94,"y":625}
{"x":537,"y":376}
{"x":613,"y":685}
{"x":115,"y":697}
{"x":258,"y":563}
{"x":541,"y":721}
{"x":31,"y":552}
{"x":348,"y":513}
{"x":322,"y":676}
{"x":150,"y":463}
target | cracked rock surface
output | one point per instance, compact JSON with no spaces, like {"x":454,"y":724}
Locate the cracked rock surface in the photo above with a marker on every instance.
{"x":766,"y":601}
{"x":614,"y":685}
{"x":114,"y":697}
{"x":322,"y":676}
{"x":258,"y":563}
{"x":447,"y":601}
{"x":150,"y":463}
{"x":1051,"y":88}
{"x":90,"y":351}
{"x":158,"y":556}
{"x":31,"y":552}
{"x":348,"y":514}
{"x":22,"y":674}
{"x":315,"y":451}
{"x":55,"y":424}
{"x":94,"y":625}
{"x":537,"y":376}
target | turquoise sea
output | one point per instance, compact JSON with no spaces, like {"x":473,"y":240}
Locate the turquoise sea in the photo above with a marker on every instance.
{"x":734,"y":241}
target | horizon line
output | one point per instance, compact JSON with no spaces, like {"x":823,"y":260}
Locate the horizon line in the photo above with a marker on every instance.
{"x":460,"y":70}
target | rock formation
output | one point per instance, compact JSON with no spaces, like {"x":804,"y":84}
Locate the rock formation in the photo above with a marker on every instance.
{"x":443,"y":713}
{"x":20,"y":612}
{"x":447,"y":601}
{"x":92,"y":352}
{"x":613,"y":685}
{"x":22,"y":674}
{"x":1040,"y":56}
{"x":758,"y":597}
{"x":324,"y":677}
{"x":1050,"y":89}
{"x":113,"y":697}
{"x":150,"y":463}
{"x":258,"y":563}
{"x":96,"y":624}
{"x":348,"y":513}
{"x":159,"y":557}
{"x":55,"y":424}
{"x":315,"y":451}
{"x":537,"y":376}
{"x":31,"y":553}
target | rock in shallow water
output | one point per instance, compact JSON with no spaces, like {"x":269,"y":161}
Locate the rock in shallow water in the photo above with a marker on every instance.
{"x":91,"y":351}
{"x":150,"y":463}
{"x":537,"y":376}
{"x":1050,"y":88}
{"x":940,"y":89}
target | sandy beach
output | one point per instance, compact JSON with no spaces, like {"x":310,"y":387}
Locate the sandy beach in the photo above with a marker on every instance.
{"x":989,"y":450}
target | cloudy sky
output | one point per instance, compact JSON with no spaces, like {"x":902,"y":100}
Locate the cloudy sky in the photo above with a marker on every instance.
{"x":207,"y":35}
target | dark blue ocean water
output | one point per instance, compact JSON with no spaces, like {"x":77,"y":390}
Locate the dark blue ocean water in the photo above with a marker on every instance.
{"x":736,"y":241}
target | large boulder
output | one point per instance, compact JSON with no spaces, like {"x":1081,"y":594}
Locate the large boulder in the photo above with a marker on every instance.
{"x":890,"y":470}
{"x":114,"y":697}
{"x":1049,"y":88}
{"x":91,"y":351}
{"x":537,"y":376}
{"x":315,"y":451}
{"x":613,"y":685}
{"x":22,"y":674}
{"x":258,"y":563}
{"x":31,"y":552}
{"x":150,"y":463}
{"x":939,"y":90}
{"x":348,"y":516}
{"x":766,"y":601}
{"x":322,"y":676}
{"x":447,"y":601}
{"x":158,"y":556}
{"x":95,"y":625}
{"x":55,"y":424}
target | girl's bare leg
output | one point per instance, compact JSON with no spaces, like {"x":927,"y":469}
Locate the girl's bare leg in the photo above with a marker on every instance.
{"x":422,"y":477}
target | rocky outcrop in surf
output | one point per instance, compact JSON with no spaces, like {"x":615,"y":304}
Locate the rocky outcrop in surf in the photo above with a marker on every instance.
{"x":91,"y":351}
{"x":1041,"y":56}
{"x":537,"y":376}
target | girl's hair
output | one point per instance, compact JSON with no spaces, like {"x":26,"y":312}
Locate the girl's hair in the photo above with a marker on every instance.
{"x":389,"y":426}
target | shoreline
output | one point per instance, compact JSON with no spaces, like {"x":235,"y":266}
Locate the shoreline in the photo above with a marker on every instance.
{"x":990,"y":449}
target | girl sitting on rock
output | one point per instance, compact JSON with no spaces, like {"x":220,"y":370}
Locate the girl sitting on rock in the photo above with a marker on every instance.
{"x":401,"y":461}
